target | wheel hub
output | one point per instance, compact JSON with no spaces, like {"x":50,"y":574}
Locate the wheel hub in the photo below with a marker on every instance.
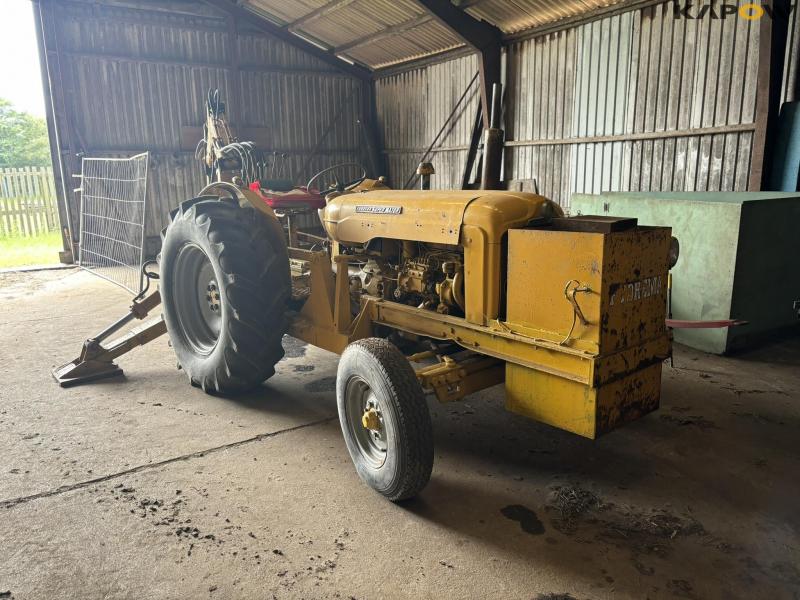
{"x":366,"y":421}
{"x":197,"y":298}
{"x":370,"y":419}
{"x":212,"y":296}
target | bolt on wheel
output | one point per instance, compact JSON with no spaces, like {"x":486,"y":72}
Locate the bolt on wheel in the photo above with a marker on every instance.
{"x":384,"y":418}
{"x":365,"y":421}
{"x":198,"y":298}
{"x":225,"y":284}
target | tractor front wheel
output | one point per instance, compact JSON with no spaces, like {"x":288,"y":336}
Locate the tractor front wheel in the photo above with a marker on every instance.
{"x":384,"y":418}
{"x":224,"y":287}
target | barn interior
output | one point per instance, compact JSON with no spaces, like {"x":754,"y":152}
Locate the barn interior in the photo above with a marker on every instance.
{"x":639,"y":118}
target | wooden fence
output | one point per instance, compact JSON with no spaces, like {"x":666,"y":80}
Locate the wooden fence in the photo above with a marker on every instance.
{"x":27,"y":202}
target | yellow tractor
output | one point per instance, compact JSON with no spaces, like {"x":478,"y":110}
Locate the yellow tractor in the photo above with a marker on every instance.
{"x":440,"y":292}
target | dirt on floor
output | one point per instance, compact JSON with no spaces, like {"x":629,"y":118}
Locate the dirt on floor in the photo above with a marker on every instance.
{"x":143,"y":486}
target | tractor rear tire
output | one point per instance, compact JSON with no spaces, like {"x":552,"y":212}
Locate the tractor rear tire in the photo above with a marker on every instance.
{"x":391,"y":448}
{"x":224,"y":285}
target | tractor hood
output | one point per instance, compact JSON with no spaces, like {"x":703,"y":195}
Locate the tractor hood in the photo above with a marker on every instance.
{"x":427,"y":215}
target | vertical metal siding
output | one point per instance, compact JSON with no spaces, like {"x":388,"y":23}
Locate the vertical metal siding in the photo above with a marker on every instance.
{"x":132,"y":78}
{"x":412,"y":106}
{"x":630,"y":76}
{"x":543,"y":86}
{"x":635,"y":101}
{"x":791,"y":71}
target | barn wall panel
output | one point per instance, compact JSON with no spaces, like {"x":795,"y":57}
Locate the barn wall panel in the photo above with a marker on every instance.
{"x":131,"y":78}
{"x":414,"y":105}
{"x":650,"y":102}
{"x":638,"y":100}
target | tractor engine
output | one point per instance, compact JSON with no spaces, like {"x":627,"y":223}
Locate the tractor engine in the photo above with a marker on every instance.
{"x":418,"y":248}
{"x":434,"y":280}
{"x":431,"y":278}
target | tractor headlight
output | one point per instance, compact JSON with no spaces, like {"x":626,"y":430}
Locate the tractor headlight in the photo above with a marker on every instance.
{"x":674,"y":252}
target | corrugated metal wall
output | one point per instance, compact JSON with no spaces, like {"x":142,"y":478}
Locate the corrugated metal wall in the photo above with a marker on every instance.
{"x":131,"y":79}
{"x":412,"y":107}
{"x":791,"y":67}
{"x":634,"y":101}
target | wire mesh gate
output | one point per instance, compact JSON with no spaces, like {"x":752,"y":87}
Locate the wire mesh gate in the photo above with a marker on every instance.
{"x":112,"y":223}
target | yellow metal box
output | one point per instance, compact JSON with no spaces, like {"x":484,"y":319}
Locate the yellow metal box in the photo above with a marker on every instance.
{"x":602,"y":295}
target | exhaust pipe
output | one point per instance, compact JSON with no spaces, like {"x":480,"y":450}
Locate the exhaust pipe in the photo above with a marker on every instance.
{"x":493,"y":144}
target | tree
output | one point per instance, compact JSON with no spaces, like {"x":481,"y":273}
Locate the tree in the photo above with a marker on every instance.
{"x":23,"y":138}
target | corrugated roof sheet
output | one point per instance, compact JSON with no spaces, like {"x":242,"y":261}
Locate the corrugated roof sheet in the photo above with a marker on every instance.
{"x":418,"y":42}
{"x":284,"y":11}
{"x":516,"y":16}
{"x":359,"y":19}
{"x":356,"y":27}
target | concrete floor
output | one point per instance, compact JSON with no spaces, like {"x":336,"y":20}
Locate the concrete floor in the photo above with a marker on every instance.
{"x":145,"y":487}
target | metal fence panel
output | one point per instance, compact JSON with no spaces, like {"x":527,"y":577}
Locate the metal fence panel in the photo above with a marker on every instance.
{"x":112,"y":219}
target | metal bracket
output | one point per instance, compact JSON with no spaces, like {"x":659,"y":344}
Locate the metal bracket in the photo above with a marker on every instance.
{"x":97,"y":361}
{"x":451,"y":380}
{"x":577,"y":313}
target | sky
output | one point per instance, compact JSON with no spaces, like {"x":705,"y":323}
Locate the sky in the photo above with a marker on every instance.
{"x":20,"y":77}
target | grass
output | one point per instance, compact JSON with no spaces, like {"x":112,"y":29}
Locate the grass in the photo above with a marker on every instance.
{"x":22,"y":251}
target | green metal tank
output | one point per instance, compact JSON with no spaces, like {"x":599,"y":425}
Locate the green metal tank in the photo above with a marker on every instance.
{"x":739,"y":258}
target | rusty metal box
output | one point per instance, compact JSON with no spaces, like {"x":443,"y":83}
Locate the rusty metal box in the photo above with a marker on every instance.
{"x":615,"y":321}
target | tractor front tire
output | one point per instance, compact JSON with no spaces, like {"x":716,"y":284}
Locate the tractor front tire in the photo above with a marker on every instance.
{"x":384,"y":418}
{"x":224,"y":286}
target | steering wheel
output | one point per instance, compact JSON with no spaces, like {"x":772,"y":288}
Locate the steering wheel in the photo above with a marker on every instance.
{"x":338,"y":185}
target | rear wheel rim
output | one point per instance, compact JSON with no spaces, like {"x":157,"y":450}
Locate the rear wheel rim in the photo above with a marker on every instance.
{"x":359,"y":398}
{"x":197,"y":298}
